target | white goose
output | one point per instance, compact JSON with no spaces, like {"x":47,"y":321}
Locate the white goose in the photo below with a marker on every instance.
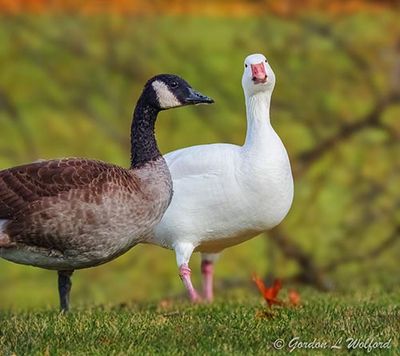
{"x":225,"y":194}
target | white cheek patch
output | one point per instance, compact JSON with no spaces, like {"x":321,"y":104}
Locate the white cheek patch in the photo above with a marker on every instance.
{"x":165,"y":97}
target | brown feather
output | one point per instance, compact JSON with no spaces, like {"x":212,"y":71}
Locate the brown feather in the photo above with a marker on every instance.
{"x":66,"y":207}
{"x":75,"y":213}
{"x":26,"y":184}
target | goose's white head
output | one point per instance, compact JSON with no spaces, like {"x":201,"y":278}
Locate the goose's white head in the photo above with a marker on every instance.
{"x":258,"y":75}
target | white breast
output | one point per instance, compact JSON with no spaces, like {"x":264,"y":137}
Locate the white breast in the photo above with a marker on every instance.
{"x":225,"y":194}
{"x":225,"y":199}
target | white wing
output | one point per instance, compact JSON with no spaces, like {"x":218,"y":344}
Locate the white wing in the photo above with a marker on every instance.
{"x":201,"y":160}
{"x":204,"y":185}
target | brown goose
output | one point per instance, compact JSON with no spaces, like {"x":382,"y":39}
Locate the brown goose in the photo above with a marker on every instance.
{"x":76,"y":213}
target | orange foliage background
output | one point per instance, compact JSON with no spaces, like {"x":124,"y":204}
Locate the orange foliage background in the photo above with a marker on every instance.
{"x":209,"y":7}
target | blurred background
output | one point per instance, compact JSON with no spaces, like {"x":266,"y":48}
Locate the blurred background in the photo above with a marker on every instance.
{"x":71,"y":72}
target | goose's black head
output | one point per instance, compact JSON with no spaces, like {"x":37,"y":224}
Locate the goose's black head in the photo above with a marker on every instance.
{"x":166,"y":91}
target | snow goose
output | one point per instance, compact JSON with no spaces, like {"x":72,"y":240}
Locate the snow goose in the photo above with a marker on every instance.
{"x":226,"y":194}
{"x":75,"y":213}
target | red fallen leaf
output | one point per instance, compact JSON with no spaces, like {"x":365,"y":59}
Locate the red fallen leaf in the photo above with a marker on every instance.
{"x":269,"y":293}
{"x":294,"y":297}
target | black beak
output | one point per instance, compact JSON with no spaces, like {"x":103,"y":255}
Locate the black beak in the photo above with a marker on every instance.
{"x":195,"y":97}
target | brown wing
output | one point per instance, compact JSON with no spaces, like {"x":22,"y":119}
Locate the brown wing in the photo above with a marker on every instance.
{"x":23,"y":185}
{"x":51,"y":204}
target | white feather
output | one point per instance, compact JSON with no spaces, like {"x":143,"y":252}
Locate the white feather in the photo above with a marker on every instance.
{"x":165,"y":97}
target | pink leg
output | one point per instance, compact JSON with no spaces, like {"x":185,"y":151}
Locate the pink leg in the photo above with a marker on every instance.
{"x":185,"y":273}
{"x":207,"y":270}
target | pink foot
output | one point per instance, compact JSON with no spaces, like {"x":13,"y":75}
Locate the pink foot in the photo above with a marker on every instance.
{"x":207,"y":270}
{"x":185,"y":273}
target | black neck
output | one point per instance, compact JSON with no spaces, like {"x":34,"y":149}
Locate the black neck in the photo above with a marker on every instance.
{"x":143,"y":142}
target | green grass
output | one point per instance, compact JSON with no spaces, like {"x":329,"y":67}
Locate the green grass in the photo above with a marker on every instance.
{"x":69,"y":89}
{"x":78,"y":77}
{"x":225,"y":327}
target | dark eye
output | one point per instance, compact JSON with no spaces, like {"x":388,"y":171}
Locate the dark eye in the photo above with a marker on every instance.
{"x":266,"y":61}
{"x":245,"y":65}
{"x":174,"y":85}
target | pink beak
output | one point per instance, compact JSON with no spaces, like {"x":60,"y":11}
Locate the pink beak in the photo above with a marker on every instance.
{"x":258,"y":73}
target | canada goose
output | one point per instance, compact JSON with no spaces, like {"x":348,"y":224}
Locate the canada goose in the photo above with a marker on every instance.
{"x":225,"y":194}
{"x":77,"y":213}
